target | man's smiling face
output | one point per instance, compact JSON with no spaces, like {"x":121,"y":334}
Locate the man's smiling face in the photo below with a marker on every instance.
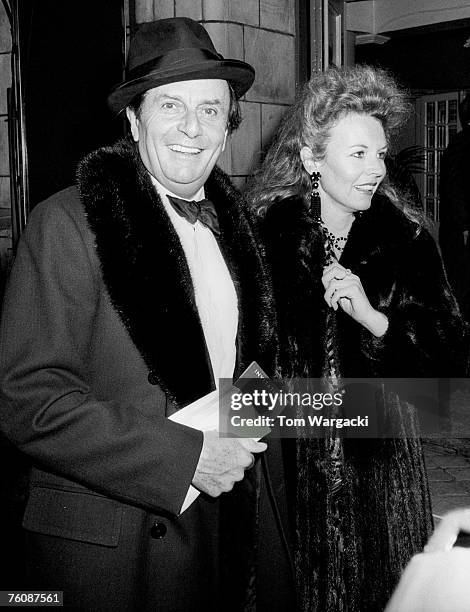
{"x":181,"y":131}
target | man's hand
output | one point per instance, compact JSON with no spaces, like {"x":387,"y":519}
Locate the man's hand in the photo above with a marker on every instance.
{"x":223,"y":462}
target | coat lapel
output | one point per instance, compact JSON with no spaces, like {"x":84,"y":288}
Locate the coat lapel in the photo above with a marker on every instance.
{"x":147,"y":276}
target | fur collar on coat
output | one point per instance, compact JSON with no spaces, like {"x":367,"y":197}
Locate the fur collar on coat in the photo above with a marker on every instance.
{"x":148,"y":279}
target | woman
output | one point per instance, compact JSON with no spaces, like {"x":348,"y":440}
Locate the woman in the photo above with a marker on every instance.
{"x":361,"y":292}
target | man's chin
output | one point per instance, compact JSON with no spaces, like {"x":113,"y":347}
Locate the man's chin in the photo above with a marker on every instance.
{"x":188,"y":180}
{"x":185,"y":188}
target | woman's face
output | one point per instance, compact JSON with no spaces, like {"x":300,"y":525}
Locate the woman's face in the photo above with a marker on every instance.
{"x":353,"y":166}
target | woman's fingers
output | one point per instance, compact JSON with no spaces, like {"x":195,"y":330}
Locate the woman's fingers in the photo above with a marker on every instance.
{"x":342,"y":288}
{"x":334,"y":271}
{"x":350,"y":292}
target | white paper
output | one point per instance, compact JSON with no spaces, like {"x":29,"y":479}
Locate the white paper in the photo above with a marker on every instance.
{"x":203,"y":414}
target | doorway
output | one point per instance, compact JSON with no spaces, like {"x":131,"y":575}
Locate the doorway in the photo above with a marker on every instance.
{"x":438,"y":122}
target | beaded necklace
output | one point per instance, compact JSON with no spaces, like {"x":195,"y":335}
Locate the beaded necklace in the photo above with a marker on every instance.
{"x":334,"y":245}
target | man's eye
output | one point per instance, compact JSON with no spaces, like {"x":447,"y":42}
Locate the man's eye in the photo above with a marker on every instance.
{"x":169,"y":105}
{"x":382,"y":155}
{"x":358,"y":154}
{"x":210,"y":112}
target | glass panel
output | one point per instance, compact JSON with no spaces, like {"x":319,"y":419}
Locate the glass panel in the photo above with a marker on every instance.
{"x":430,"y":184}
{"x":441,"y":136}
{"x":430,"y":138}
{"x":441,"y":111}
{"x":438,"y":160}
{"x":452,"y":131}
{"x":452,"y":111}
{"x":430,"y":112}
{"x":430,"y":207}
{"x":430,"y":165}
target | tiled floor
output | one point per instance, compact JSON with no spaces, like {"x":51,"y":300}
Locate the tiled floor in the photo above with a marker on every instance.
{"x":448,"y":458}
{"x":448,"y":466}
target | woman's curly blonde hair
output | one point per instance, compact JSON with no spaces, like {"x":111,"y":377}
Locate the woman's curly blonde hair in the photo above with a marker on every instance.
{"x":321,"y":103}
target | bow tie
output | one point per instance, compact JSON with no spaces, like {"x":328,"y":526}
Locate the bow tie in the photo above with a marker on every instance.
{"x":202,"y":211}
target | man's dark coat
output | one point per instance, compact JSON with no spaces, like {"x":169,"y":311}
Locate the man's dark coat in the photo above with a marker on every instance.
{"x":101,"y":341}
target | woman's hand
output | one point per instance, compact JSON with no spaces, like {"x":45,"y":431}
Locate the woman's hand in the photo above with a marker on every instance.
{"x":345,"y":289}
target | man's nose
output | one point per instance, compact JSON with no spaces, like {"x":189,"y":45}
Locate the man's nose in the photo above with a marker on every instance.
{"x":189,"y":124}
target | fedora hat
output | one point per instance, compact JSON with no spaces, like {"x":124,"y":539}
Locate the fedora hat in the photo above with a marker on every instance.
{"x":177,"y":49}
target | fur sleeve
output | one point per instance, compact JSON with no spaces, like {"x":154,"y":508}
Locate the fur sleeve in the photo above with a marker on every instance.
{"x":426,"y":334}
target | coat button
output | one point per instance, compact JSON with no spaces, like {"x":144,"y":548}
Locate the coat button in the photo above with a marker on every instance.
{"x":158,"y":531}
{"x":152,"y":378}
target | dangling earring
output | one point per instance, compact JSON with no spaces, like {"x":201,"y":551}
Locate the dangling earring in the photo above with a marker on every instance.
{"x":315,"y":202}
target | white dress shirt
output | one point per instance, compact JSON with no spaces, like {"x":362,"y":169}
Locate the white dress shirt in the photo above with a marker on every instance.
{"x":216,"y":299}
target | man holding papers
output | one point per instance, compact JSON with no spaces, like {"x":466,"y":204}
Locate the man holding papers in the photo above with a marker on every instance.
{"x":131,"y":295}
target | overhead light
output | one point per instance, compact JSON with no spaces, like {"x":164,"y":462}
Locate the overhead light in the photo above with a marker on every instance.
{"x":371,"y":39}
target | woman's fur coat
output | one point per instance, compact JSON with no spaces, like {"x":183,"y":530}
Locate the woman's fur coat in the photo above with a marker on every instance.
{"x":354,"y":537}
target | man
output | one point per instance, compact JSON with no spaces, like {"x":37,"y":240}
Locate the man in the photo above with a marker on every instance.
{"x":454,"y":192}
{"x":129,"y":299}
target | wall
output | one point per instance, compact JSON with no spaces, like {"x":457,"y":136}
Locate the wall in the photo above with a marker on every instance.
{"x":375,"y":16}
{"x":5,"y":82}
{"x":260,"y":32}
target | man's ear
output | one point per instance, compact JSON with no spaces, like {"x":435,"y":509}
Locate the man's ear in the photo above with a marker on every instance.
{"x":308,"y":161}
{"x":225,"y":139}
{"x":134,"y":123}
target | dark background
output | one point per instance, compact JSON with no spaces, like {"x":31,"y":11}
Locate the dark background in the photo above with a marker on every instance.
{"x":72,"y":54}
{"x":428,"y":58}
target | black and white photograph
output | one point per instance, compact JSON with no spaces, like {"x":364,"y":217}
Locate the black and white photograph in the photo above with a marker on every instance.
{"x":235,"y":305}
